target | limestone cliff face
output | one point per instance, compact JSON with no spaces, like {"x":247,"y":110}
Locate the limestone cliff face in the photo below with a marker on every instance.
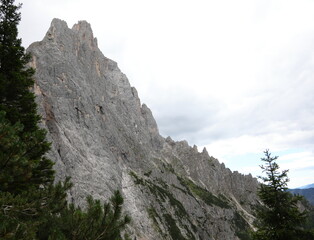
{"x":105,"y":139}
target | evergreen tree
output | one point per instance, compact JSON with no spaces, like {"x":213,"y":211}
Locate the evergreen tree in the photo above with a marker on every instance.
{"x":24,"y":165}
{"x":278,"y":218}
{"x":97,"y":222}
{"x":15,"y":79}
{"x":23,"y":215}
{"x":20,"y":171}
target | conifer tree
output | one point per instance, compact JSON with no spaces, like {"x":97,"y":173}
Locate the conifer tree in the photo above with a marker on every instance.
{"x":25,"y":166}
{"x":27,"y":193}
{"x":278,"y":218}
{"x":15,"y":79}
{"x":101,"y":222}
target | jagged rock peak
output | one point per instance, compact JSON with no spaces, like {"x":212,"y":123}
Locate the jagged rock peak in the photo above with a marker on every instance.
{"x":82,"y":30}
{"x":205,"y":151}
{"x":57,"y":27}
{"x":85,"y":32}
{"x":58,"y":24}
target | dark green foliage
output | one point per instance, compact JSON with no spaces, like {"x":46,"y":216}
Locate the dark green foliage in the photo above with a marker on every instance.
{"x":49,"y":217}
{"x":206,"y":196}
{"x":22,"y":164}
{"x":153,"y":215}
{"x":101,"y":222}
{"x":15,"y":80}
{"x":181,"y":189}
{"x":242,"y":228}
{"x":279,"y":218}
{"x":173,"y":229}
{"x":162,"y":193}
{"x":168,"y":167}
{"x":23,"y":214}
{"x":22,"y":161}
{"x":309,"y":224}
{"x":147,"y":174}
{"x":137,"y":180}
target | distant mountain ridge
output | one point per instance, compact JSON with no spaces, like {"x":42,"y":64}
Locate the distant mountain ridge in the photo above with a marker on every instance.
{"x":306,"y":186}
{"x":308,"y":193}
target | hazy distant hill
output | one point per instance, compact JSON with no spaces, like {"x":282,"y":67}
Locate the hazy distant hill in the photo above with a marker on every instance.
{"x":307,"y":193}
{"x":307,"y":186}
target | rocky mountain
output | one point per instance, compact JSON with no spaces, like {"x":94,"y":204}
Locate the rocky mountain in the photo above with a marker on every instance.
{"x":105,"y":139}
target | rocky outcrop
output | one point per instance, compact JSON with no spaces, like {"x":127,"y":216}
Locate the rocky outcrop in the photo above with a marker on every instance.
{"x":105,"y":139}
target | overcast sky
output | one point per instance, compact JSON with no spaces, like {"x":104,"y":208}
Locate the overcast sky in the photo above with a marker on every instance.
{"x":234,"y":76}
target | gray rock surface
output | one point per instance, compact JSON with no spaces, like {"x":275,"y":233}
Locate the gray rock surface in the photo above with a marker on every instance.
{"x":105,"y":139}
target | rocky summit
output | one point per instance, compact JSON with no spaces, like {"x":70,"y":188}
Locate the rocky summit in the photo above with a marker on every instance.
{"x":105,"y":139}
